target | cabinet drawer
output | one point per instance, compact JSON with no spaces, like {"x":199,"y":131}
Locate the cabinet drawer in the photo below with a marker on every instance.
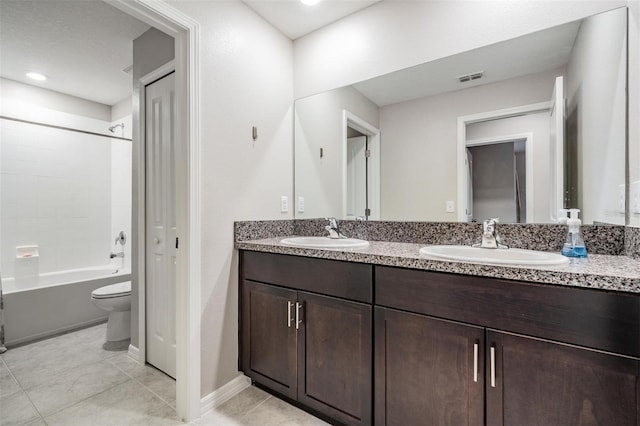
{"x":591,"y":318}
{"x":353,"y":281}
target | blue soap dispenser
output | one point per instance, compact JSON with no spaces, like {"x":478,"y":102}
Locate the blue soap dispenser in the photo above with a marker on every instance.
{"x":574,"y":244}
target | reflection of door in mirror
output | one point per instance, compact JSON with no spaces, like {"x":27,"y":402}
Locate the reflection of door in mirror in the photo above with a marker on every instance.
{"x":356,"y":175}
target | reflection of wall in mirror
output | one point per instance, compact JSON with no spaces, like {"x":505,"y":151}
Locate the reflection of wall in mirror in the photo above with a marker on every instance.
{"x":319,"y":124}
{"x":420,"y":136}
{"x":596,"y":80}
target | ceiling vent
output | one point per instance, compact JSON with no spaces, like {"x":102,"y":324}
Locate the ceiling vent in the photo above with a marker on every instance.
{"x":475,"y":76}
{"x":127,"y":70}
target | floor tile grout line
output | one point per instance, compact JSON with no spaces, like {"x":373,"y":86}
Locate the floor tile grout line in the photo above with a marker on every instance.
{"x":153,"y":393}
{"x":257,"y":405}
{"x":83,"y":400}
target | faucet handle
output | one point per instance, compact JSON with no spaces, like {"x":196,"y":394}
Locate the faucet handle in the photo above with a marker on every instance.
{"x":333,"y":222}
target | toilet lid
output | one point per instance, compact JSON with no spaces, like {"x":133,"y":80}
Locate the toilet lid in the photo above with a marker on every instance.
{"x":113,"y":290}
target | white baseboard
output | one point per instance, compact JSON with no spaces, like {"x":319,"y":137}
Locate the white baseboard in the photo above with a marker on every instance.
{"x":134,"y":353}
{"x":224,"y":393}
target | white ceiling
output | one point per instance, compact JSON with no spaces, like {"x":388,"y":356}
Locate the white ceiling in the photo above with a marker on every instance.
{"x":541,"y":51}
{"x":80,"y":45}
{"x":295,"y":19}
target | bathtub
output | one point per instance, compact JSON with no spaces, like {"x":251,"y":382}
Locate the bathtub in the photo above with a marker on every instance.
{"x":57,"y":302}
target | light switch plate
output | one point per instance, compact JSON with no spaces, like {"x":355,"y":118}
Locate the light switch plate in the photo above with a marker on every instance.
{"x":300,"y":204}
{"x":451,"y":207}
{"x":284,"y":204}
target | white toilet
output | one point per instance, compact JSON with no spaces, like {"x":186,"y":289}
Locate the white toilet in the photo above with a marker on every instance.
{"x":115,"y":299}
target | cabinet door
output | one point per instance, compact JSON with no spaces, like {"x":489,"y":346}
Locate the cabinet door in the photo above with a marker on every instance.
{"x":537,"y":382}
{"x":334,"y":358}
{"x":427,"y":371}
{"x":269,"y":337}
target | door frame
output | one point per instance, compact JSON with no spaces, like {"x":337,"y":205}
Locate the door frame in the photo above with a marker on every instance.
{"x":350,"y":119}
{"x":528,"y":137}
{"x":186,"y":33}
{"x":462,"y":138}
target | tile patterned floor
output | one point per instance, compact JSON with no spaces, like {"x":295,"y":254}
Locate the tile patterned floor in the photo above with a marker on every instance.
{"x":72,"y":380}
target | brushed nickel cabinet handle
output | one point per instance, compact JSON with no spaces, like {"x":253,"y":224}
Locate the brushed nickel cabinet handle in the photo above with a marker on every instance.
{"x":493,"y":366}
{"x":298,"y":316}
{"x":289,"y":319}
{"x":475,"y":362}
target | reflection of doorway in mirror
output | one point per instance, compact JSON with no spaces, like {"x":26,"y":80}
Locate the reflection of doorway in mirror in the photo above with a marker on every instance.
{"x":498,"y":180}
{"x":529,"y":123}
{"x":361,"y":168}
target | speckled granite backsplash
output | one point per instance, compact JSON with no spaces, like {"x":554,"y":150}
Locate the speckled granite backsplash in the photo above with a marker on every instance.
{"x":599,"y":239}
{"x":632,"y":242}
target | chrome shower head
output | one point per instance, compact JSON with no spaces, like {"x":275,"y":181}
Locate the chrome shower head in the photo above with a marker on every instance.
{"x":112,"y":129}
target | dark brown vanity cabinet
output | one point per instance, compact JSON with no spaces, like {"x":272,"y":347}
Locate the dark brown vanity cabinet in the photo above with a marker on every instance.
{"x":538,"y":382}
{"x":458,"y":350}
{"x":428,"y":371}
{"x":306,"y":332}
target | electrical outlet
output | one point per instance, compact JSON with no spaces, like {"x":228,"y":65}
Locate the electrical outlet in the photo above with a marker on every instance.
{"x":451,"y":207}
{"x":284,"y":204}
{"x":300,"y":204}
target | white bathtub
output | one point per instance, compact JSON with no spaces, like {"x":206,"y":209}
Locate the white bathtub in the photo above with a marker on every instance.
{"x":59,"y":302}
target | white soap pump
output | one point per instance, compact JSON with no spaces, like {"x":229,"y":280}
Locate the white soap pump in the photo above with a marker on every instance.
{"x":574,"y":244}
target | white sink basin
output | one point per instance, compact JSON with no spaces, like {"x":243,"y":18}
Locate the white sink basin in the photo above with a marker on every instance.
{"x":324,"y":242}
{"x":510,"y":256}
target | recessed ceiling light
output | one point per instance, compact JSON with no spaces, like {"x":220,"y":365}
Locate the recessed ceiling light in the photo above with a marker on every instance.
{"x":310,"y":2}
{"x":36,"y":76}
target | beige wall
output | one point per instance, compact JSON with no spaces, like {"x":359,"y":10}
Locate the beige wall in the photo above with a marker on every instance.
{"x":319,"y":124}
{"x":246,"y":80}
{"x":420,"y":136}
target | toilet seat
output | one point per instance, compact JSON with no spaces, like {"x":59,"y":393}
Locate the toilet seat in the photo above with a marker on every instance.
{"x":113,"y":290}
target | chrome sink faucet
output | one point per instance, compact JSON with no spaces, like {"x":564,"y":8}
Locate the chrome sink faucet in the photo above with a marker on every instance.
{"x":490,"y":237}
{"x":334,"y":229}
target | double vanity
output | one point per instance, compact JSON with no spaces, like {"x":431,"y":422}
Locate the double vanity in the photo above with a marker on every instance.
{"x":382,"y":334}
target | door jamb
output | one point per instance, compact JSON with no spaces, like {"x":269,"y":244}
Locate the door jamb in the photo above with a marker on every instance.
{"x":186,"y":32}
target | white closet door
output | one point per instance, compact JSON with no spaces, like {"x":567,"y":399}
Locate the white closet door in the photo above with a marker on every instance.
{"x":161,"y":225}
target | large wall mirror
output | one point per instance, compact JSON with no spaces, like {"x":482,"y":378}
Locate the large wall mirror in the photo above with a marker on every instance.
{"x":515,"y":130}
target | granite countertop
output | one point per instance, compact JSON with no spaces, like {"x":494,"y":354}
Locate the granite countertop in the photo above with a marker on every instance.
{"x":606,"y":272}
